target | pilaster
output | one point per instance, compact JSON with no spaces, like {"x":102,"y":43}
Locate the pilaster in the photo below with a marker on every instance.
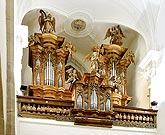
{"x":10,"y":123}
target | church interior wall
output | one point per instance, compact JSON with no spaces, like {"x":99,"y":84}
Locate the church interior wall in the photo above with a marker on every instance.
{"x":137,"y":83}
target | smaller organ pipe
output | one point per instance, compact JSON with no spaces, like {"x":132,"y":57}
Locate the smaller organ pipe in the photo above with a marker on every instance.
{"x":53,"y":76}
{"x":47,"y":73}
{"x":50,"y":73}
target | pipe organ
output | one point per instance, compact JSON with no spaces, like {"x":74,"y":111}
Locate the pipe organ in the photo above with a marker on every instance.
{"x":98,"y":98}
{"x":49,"y":54}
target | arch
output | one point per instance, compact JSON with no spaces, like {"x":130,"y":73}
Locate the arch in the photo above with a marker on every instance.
{"x":77,"y":65}
{"x":130,"y":25}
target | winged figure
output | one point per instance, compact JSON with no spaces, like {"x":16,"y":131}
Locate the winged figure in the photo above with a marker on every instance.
{"x":120,"y":31}
{"x":115,"y":33}
{"x":54,"y":24}
{"x":41,"y":19}
{"x":108,"y":34}
{"x":47,"y":22}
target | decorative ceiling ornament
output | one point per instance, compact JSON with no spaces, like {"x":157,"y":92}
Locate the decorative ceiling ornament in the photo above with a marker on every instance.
{"x":79,"y":24}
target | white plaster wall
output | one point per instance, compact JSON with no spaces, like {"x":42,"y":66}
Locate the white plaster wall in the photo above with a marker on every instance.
{"x":21,"y":41}
{"x":157,"y":83}
{"x":3,"y":51}
{"x":160,"y":25}
{"x":158,"y":80}
{"x":29,"y":126}
{"x":26,"y":72}
{"x":161,"y":119}
{"x":136,"y":83}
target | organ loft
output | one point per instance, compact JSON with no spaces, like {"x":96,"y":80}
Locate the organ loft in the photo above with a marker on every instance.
{"x":97,"y":98}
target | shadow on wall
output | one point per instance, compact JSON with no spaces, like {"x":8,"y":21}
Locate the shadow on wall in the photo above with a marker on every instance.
{"x":161,"y":119}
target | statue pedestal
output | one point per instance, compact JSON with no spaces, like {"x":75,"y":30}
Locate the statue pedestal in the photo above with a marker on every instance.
{"x":116,"y":98}
{"x":125,"y":100}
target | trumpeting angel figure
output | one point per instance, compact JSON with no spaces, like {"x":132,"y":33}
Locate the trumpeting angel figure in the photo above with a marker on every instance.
{"x":46,"y":22}
{"x":115,"y":33}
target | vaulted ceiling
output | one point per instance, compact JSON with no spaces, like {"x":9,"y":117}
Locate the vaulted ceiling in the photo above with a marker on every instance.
{"x":135,"y":18}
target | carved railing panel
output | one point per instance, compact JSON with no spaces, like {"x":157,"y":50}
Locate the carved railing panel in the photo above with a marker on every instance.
{"x":63,"y":110}
{"x":34,"y":107}
{"x":134,"y":117}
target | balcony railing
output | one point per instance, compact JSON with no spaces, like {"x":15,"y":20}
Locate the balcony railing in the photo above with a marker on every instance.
{"x":134,"y":117}
{"x":34,"y":107}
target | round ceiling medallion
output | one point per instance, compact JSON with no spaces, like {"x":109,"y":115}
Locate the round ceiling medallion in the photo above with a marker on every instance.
{"x":79,"y":24}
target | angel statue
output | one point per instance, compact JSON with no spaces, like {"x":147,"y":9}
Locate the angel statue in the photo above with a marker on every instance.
{"x":116,"y":35}
{"x":130,"y":57}
{"x":69,"y":47}
{"x":94,"y":58}
{"x":46,"y":22}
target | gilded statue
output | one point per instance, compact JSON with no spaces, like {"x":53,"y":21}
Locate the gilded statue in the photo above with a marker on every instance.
{"x":94,"y":59}
{"x":117,"y":82}
{"x":46,"y":22}
{"x":115,"y":33}
{"x":69,"y":47}
{"x":131,"y":57}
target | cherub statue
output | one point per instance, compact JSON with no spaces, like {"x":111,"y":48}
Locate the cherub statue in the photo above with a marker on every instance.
{"x":46,"y":22}
{"x":116,"y":35}
{"x":72,"y":75}
{"x":117,"y":82}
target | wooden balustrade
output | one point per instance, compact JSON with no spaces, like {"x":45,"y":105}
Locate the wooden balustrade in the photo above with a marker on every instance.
{"x":134,"y":117}
{"x":34,"y":107}
{"x":43,"y":108}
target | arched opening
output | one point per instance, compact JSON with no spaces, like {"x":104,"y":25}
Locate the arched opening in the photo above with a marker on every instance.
{"x":134,"y":41}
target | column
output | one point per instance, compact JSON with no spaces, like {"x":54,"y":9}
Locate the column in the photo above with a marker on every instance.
{"x":3,"y":60}
{"x":10,"y":122}
{"x":1,"y":104}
